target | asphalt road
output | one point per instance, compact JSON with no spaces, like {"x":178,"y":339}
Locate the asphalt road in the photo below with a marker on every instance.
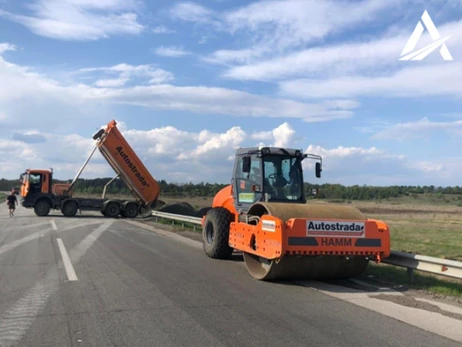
{"x":92,"y":281}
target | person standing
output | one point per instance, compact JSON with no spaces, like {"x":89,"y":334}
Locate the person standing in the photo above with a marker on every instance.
{"x":12,"y":201}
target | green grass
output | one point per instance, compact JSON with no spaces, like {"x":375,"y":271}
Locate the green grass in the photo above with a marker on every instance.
{"x":2,"y":196}
{"x":432,"y":234}
{"x":429,"y":283}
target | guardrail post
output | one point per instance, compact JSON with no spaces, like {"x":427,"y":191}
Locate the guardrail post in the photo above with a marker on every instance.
{"x":410,"y":275}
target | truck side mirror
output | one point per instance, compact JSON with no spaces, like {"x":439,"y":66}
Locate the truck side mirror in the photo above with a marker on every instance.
{"x":318,"y":170}
{"x":246,"y":164}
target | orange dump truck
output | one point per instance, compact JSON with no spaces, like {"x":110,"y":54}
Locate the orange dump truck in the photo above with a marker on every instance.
{"x":39,"y":192}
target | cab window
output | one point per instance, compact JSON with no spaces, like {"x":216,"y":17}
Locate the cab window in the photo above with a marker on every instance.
{"x":245,"y":180}
{"x":283,"y":178}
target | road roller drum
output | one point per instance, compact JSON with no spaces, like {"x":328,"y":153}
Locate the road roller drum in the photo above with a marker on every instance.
{"x":302,"y":266}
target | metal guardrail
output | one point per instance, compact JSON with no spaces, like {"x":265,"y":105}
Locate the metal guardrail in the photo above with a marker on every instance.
{"x":178,"y":217}
{"x":437,"y":266}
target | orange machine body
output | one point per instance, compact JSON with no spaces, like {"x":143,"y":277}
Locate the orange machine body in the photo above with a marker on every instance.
{"x":311,"y":236}
{"x":125,"y":162}
{"x":272,"y":237}
{"x":304,"y":236}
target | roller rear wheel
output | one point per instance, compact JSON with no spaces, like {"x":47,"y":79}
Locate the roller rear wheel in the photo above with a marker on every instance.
{"x":215,"y":233}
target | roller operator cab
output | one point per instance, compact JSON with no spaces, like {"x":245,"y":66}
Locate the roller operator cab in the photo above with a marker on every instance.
{"x":264,"y":214}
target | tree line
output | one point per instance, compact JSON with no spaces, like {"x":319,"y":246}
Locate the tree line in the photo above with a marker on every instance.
{"x":203,"y":189}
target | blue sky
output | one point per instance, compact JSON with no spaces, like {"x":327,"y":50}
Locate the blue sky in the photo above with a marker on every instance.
{"x":191,"y":81}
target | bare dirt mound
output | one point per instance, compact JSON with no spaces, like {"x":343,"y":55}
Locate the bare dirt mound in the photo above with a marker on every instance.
{"x":182,"y":208}
{"x":157,"y":204}
{"x":203,"y":211}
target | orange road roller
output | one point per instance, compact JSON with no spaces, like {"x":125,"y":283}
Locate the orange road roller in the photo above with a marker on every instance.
{"x":264,"y":213}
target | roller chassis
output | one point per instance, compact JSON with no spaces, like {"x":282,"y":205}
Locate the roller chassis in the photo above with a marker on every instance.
{"x":280,"y":234}
{"x":269,"y":258}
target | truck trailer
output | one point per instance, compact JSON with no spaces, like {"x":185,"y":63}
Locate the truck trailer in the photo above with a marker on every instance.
{"x":38,"y":191}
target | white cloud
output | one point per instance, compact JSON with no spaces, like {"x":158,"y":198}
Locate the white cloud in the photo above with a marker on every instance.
{"x":417,"y":130}
{"x":344,"y":58}
{"x":323,"y":60}
{"x":214,"y":100}
{"x":65,"y":153}
{"x":80,"y":19}
{"x":419,"y":81}
{"x":162,"y":29}
{"x":282,"y":136}
{"x":371,"y":166}
{"x":6,"y":47}
{"x":192,"y":12}
{"x":127,"y":72}
{"x":298,"y":45}
{"x":171,"y":51}
{"x":227,"y":56}
{"x":23,"y":91}
{"x":113,"y":82}
{"x":271,"y":28}
{"x":178,"y":155}
{"x":285,"y":24}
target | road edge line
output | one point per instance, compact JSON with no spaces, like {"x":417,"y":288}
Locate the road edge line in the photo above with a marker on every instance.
{"x":169,"y":234}
{"x":71,"y":275}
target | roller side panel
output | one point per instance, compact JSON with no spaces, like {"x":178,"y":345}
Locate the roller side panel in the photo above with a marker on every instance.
{"x":323,"y":236}
{"x":264,"y":239}
{"x":307,"y":241}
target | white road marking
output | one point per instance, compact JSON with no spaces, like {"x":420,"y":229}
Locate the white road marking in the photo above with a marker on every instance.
{"x":18,"y":319}
{"x":443,"y":306}
{"x":36,"y":235}
{"x":53,"y":224}
{"x":24,"y":226}
{"x":169,"y":234}
{"x":67,"y":262}
{"x":430,"y":321}
{"x":19,"y":242}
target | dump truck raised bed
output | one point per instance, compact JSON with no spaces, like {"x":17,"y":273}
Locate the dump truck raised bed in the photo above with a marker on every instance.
{"x":264,"y":214}
{"x":39,"y":192}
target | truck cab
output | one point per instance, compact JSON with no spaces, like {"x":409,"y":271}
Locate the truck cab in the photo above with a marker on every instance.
{"x":36,"y":185}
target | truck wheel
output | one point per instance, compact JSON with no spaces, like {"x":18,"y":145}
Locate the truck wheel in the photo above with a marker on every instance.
{"x":131,"y":210}
{"x":112,"y":210}
{"x":42,"y":208}
{"x":69,"y":209}
{"x":215,"y":233}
